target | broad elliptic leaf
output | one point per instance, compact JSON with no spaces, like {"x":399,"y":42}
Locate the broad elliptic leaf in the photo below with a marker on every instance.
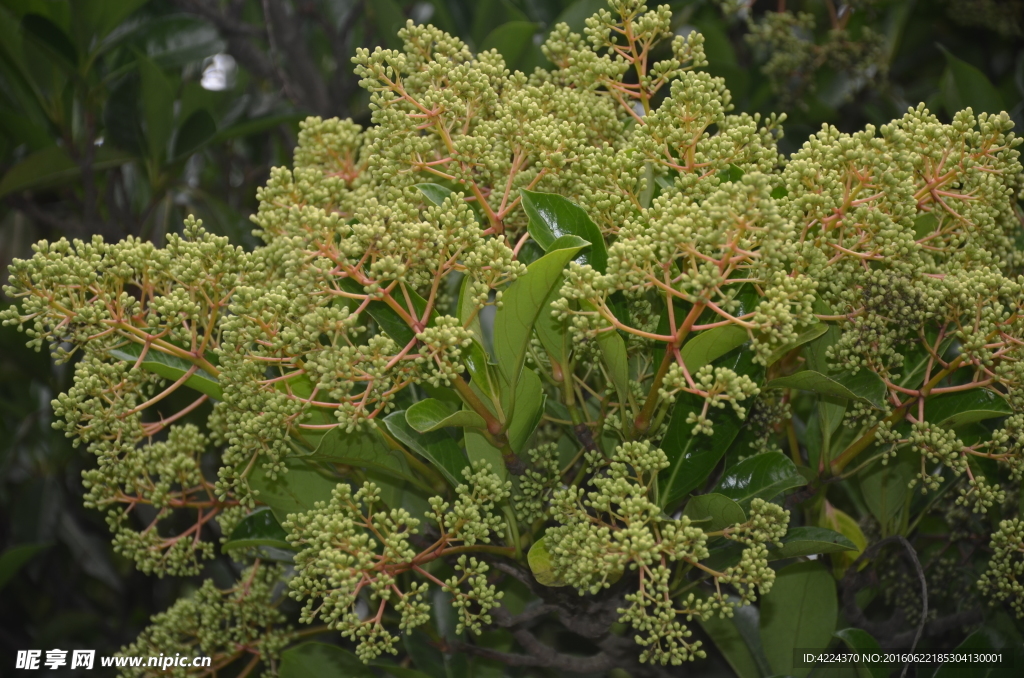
{"x":50,"y":36}
{"x":799,"y":611}
{"x":860,"y":641}
{"x":738,"y":639}
{"x":522,"y":302}
{"x":865,"y":385}
{"x":435,"y":193}
{"x":171,"y":368}
{"x":540,"y":564}
{"x":806,"y":541}
{"x":175,"y":40}
{"x":952,"y":410}
{"x":437,"y":447}
{"x":157,"y":107}
{"x":965,"y":86}
{"x":526,"y":409}
{"x":363,"y":449}
{"x":842,"y":522}
{"x":885,"y":491}
{"x":553,"y":216}
{"x":52,"y":166}
{"x":323,"y":661}
{"x":810,"y":334}
{"x":193,"y":134}
{"x":511,"y":39}
{"x":14,"y":558}
{"x":431,"y":414}
{"x":293,"y":492}
{"x":714,"y":512}
{"x":711,"y":344}
{"x":259,"y":528}
{"x":692,"y":457}
{"x":764,"y":475}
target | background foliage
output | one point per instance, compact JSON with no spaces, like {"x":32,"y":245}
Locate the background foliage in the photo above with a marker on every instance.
{"x":121,"y":118}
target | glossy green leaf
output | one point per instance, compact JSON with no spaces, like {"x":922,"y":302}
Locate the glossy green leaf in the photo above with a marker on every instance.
{"x":50,"y":36}
{"x":540,"y":564}
{"x":552,"y":332}
{"x":952,"y":410}
{"x":714,"y":512}
{"x":363,"y":449}
{"x":965,"y":86}
{"x":193,"y":134}
{"x":521,"y":304}
{"x":480,"y":371}
{"x":860,"y":641}
{"x":731,"y":173}
{"x":710,"y":345}
{"x":692,"y":457}
{"x":399,"y":671}
{"x":525,"y":411}
{"x":764,"y":475}
{"x":806,"y":541}
{"x":436,"y":447}
{"x":864,"y":386}
{"x":511,"y":39}
{"x":157,"y":106}
{"x":430,"y":414}
{"x":810,"y":334}
{"x":259,"y":528}
{"x":553,"y":216}
{"x":52,"y":166}
{"x":799,"y":611}
{"x":293,"y":492}
{"x":738,"y":639}
{"x":15,"y":558}
{"x":171,"y":368}
{"x":435,"y":193}
{"x":322,"y":661}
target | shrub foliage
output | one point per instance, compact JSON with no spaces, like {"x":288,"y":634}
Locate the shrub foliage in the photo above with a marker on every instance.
{"x":584,"y":328}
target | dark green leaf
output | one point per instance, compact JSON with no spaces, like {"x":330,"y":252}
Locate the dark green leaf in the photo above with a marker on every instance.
{"x":865,"y":385}
{"x":714,"y":512}
{"x":293,"y":492}
{"x":53,"y":166}
{"x":198,"y":129}
{"x":965,"y":86}
{"x":363,"y":449}
{"x":171,"y":368}
{"x":158,"y":107}
{"x":436,"y":447}
{"x":738,"y":639}
{"x":952,"y":410}
{"x":259,"y":528}
{"x":693,"y":457}
{"x":521,"y":304}
{"x":479,"y":369}
{"x":50,"y":36}
{"x":764,"y":475}
{"x":711,"y":344}
{"x":860,"y":641}
{"x":799,"y":611}
{"x":553,"y":216}
{"x":805,"y":541}
{"x":810,"y":334}
{"x":322,"y":661}
{"x":885,"y":491}
{"x":14,"y":558}
{"x":388,"y":19}
{"x":525,"y":410}
{"x":511,"y":39}
{"x":731,"y":173}
{"x":431,"y":414}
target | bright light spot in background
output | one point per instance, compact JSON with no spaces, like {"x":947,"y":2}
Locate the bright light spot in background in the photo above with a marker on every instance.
{"x":219,"y":73}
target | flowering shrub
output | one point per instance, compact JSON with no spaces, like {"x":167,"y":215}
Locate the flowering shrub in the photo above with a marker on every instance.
{"x":584,"y":328}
